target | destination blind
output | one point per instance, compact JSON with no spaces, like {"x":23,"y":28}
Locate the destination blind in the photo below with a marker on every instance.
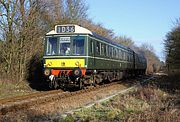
{"x":65,"y":29}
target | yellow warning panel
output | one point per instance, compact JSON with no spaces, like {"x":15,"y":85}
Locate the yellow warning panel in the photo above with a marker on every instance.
{"x":64,"y":63}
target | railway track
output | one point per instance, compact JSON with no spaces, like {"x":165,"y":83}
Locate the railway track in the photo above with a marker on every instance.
{"x":24,"y":102}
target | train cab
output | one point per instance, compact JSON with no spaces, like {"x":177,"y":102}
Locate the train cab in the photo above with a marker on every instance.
{"x":65,"y":53}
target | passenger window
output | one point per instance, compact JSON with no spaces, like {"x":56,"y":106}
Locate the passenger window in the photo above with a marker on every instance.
{"x":130,"y":58}
{"x":127,"y":57}
{"x":116,"y":51}
{"x":102,"y":49}
{"x":113,"y":52}
{"x":110,"y":51}
{"x":98,"y":48}
{"x":124,"y":58}
{"x":120,"y":54}
{"x":107,"y":50}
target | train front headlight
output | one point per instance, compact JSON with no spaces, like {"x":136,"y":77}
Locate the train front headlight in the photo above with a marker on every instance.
{"x":47,"y":72}
{"x":49,"y":64}
{"x":77,"y":72}
{"x":77,"y":63}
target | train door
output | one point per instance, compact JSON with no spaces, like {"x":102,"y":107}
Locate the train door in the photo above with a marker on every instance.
{"x":97,"y":53}
{"x":92,"y":53}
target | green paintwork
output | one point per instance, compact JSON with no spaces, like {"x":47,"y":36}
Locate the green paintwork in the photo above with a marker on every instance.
{"x":96,"y":61}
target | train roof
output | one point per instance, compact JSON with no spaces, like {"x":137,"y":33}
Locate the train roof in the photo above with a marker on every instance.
{"x":69,"y":29}
{"x":76,"y":29}
{"x":110,"y":41}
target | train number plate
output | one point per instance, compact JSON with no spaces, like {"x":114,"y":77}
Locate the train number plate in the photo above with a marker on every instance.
{"x":65,"y":29}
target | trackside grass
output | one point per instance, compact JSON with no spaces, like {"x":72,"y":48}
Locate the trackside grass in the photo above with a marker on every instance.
{"x":157,"y":100}
{"x":11,"y":89}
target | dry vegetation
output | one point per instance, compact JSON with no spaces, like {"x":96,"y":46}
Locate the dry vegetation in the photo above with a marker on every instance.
{"x":155,"y":101}
{"x":172,"y":48}
{"x":23,"y":24}
{"x":11,"y":89}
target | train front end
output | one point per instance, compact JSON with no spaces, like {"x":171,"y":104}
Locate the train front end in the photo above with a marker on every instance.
{"x":65,"y":56}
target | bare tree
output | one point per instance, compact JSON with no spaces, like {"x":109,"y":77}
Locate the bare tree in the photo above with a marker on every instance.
{"x":20,"y":26}
{"x":23,"y":24}
{"x":153,"y":62}
{"x":7,"y":22}
{"x":172,"y":48}
{"x":126,"y":41}
{"x":75,"y":10}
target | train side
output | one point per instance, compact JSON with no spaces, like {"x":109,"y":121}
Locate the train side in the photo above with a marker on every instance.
{"x":140,"y":64}
{"x":75,"y":56}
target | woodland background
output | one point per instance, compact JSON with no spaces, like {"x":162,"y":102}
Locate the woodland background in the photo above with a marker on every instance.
{"x":23,"y":24}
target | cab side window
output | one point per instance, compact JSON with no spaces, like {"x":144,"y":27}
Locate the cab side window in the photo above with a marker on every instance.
{"x":78,"y":46}
{"x":91,"y":47}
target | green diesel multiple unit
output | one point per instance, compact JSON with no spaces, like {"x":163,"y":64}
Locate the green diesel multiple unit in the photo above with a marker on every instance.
{"x":75,"y":56}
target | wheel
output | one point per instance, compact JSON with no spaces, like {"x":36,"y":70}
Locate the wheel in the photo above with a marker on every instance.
{"x":50,"y":85}
{"x":94,"y":84}
{"x":53,"y":84}
{"x":81,"y":84}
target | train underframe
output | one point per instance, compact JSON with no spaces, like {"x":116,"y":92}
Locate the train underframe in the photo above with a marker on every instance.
{"x":79,"y":78}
